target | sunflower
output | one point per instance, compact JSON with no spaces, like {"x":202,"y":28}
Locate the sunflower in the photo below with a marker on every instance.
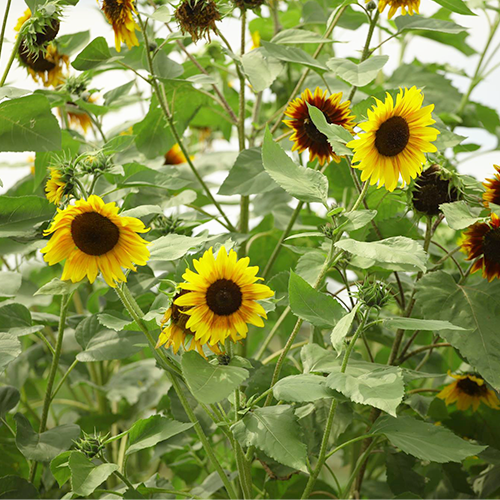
{"x":197,"y":17}
{"x":407,"y":6}
{"x":222,"y":297}
{"x":92,"y":237}
{"x":176,"y":333}
{"x":468,"y":390}
{"x":44,"y":27}
{"x":492,"y":194}
{"x":55,"y":187}
{"x":395,"y":139}
{"x":120,"y":15}
{"x":174,"y":156}
{"x":306,"y":135}
{"x":482,"y":240}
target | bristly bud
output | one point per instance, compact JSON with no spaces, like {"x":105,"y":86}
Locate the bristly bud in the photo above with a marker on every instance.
{"x":76,"y":85}
{"x":371,"y":5}
{"x":327,"y":230}
{"x":91,"y":445}
{"x":433,"y":187}
{"x":94,"y":163}
{"x":373,"y":293}
{"x":223,"y":359}
{"x":197,"y":17}
{"x":169,"y":224}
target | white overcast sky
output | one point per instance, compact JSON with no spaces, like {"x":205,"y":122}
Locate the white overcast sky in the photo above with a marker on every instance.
{"x":86,"y":15}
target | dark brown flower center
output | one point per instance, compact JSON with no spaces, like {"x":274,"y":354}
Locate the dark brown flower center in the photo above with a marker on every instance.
{"x":431,"y":191}
{"x":224,"y":297}
{"x":94,"y":234}
{"x":392,"y":136}
{"x":471,"y":388}
{"x":179,"y":318}
{"x":312,"y":131}
{"x":113,"y":9}
{"x":491,"y":245}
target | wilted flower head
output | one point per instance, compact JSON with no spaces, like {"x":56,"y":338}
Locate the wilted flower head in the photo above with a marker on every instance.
{"x":197,"y":17}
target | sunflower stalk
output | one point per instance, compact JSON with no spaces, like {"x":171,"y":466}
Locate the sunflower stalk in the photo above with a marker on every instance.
{"x":17,"y":44}
{"x":4,"y":24}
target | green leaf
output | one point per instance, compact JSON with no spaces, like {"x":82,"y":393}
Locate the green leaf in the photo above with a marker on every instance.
{"x":85,"y":475}
{"x":16,"y":320}
{"x":315,"y":307}
{"x":57,"y":287}
{"x":302,"y":388}
{"x":93,"y":55}
{"x":342,"y":328}
{"x":19,"y":214}
{"x":27,"y":124}
{"x":174,"y":246}
{"x":69,"y":44}
{"x":424,"y":440}
{"x":165,"y":68}
{"x":475,"y":308}
{"x":162,"y":14}
{"x":59,"y":466}
{"x":9,"y":397}
{"x":275,"y":431}
{"x":10,"y":348}
{"x":357,"y":219}
{"x":457,"y":6}
{"x":459,"y":215}
{"x":16,"y":487}
{"x":210,"y":383}
{"x":261,"y":68}
{"x":404,"y":23}
{"x":295,"y":36}
{"x":371,"y":384}
{"x":420,"y":324}
{"x":155,"y":429}
{"x":153,"y":137}
{"x":47,"y":445}
{"x":302,"y":183}
{"x":11,"y":282}
{"x":358,"y":74}
{"x":247,"y":176}
{"x":396,"y":253}
{"x":293,"y":55}
{"x":113,"y":95}
{"x":401,"y":477}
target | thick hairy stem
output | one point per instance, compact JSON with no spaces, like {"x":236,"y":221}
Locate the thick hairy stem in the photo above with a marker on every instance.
{"x":4,"y":24}
{"x":14,"y":51}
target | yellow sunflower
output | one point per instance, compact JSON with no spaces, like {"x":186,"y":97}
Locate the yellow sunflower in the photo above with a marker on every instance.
{"x":174,"y":156}
{"x":468,"y":390}
{"x":492,"y":194}
{"x":407,"y":6}
{"x":306,"y":135}
{"x":483,"y":240}
{"x":93,"y":237}
{"x":176,"y":333}
{"x":48,"y":68}
{"x":120,"y":15}
{"x":222,"y":297}
{"x":54,"y":189}
{"x":396,"y":137}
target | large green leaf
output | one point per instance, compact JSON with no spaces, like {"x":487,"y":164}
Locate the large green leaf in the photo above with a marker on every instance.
{"x":302,"y":183}
{"x":85,"y":475}
{"x":457,"y":6}
{"x":342,"y":328}
{"x":459,"y":215}
{"x":153,"y":137}
{"x":9,"y":397}
{"x":153,"y":430}
{"x":261,"y":68}
{"x":174,"y":246}
{"x":16,"y":487}
{"x":424,"y":440}
{"x":427,"y":24}
{"x":315,"y":307}
{"x":27,"y":124}
{"x":16,"y":320}
{"x":11,"y":282}
{"x":59,"y":466}
{"x":357,"y":74}
{"x":474,"y":307}
{"x":275,"y":431}
{"x":210,"y":383}
{"x":19,"y":214}
{"x":93,"y":55}
{"x":435,"y":325}
{"x":47,"y":445}
{"x":302,"y":388}
{"x":10,"y":348}
{"x":295,"y":36}
{"x":293,"y":55}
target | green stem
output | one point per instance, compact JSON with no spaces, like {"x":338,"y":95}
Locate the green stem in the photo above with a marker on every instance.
{"x":348,"y":443}
{"x":65,"y":300}
{"x":63,"y":379}
{"x":13,"y":54}
{"x":4,"y":24}
{"x":361,"y":197}
{"x":272,"y":333}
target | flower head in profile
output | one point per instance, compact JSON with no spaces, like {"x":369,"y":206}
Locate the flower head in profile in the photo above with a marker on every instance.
{"x":395,"y":138}
{"x":492,"y":193}
{"x":306,"y":135}
{"x":120,"y":14}
{"x":175,"y":333}
{"x":42,"y":28}
{"x":55,"y":187}
{"x":406,"y":6}
{"x":468,"y":390}
{"x":197,"y":17}
{"x":481,"y":241}
{"x":174,"y":156}
{"x":92,"y":237}
{"x":222,"y":297}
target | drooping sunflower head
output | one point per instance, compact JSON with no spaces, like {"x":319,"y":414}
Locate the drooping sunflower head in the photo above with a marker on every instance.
{"x":56,"y":186}
{"x":40,"y":28}
{"x":406,"y":6}
{"x":492,"y":193}
{"x":197,"y":17}
{"x":222,"y":297}
{"x":120,"y":14}
{"x":249,"y":4}
{"x":92,"y":237}
{"x":467,"y":390}
{"x":175,"y":333}
{"x":432,"y":188}
{"x":174,"y":156}
{"x":481,"y":241}
{"x":306,"y":135}
{"x":397,"y":134}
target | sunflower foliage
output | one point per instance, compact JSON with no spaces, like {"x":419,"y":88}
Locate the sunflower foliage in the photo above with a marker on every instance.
{"x":239,"y":265}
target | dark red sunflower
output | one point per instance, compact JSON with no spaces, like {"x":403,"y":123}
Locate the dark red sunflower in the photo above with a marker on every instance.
{"x":483,"y":240}
{"x":306,"y":135}
{"x":492,"y":194}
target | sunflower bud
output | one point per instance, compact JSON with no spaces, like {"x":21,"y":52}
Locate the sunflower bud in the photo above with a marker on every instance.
{"x":197,"y":17}
{"x":327,"y":230}
{"x":371,"y":5}
{"x":76,"y":85}
{"x":433,"y":187}
{"x":373,"y":294}
{"x":224,"y":359}
{"x":91,"y":445}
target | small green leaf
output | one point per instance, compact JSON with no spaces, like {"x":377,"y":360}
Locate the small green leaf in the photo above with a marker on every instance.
{"x":93,"y":55}
{"x":174,"y":246}
{"x":162,"y":14}
{"x":59,"y":466}
{"x":357,"y":219}
{"x":459,"y":215}
{"x":261,"y":68}
{"x":85,"y":475}
{"x":210,"y":383}
{"x":16,"y":320}
{"x":293,"y":55}
{"x":57,"y":287}
{"x":342,"y":328}
{"x":302,"y":388}
{"x":404,"y":23}
{"x":295,"y":37}
{"x":9,"y":397}
{"x":457,"y":6}
{"x":11,"y":282}
{"x":357,"y":74}
{"x":10,"y":348}
{"x":420,"y":324}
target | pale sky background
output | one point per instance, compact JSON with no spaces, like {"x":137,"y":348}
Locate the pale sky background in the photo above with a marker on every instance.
{"x":86,"y":15}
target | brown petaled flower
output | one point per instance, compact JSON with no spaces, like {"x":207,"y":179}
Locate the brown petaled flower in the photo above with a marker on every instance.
{"x":431,"y":190}
{"x":306,"y":135}
{"x":483,"y":240}
{"x":492,"y":194}
{"x":249,"y":4}
{"x":197,"y":17}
